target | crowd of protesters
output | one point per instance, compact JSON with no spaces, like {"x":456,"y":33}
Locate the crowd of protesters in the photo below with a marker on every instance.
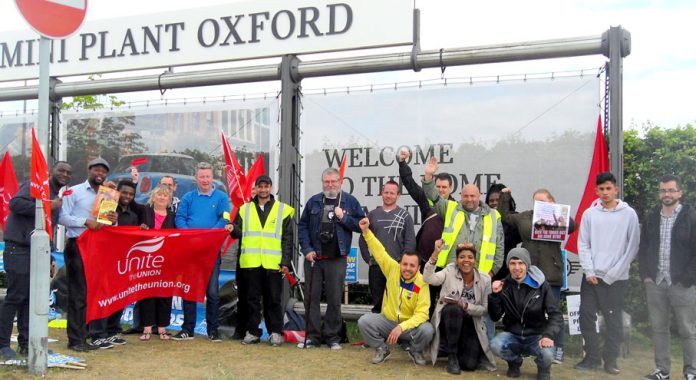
{"x":437,"y":293}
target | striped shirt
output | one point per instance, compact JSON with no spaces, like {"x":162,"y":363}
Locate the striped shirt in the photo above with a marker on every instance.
{"x":666,"y":224}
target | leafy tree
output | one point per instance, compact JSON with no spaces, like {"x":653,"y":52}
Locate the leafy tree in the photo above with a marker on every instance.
{"x":93,"y":137}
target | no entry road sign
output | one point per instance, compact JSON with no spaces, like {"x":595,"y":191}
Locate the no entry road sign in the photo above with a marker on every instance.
{"x":53,"y":18}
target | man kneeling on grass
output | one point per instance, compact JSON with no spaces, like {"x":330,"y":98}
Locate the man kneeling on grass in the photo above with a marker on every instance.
{"x":404,"y":316}
{"x":531,"y":316}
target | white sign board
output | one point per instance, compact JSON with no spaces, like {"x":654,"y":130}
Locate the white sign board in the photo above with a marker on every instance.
{"x":573,"y":303}
{"x":227,"y":32}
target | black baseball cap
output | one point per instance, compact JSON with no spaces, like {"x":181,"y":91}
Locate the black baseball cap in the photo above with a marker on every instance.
{"x":263,"y":178}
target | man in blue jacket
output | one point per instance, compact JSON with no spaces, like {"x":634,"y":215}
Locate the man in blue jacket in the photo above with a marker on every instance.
{"x":325,"y":233}
{"x":204,"y":207}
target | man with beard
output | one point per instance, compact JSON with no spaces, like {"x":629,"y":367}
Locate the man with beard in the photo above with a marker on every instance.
{"x":667,"y":258}
{"x":129,"y":214}
{"x":266,"y":253}
{"x":76,"y":216}
{"x":325,"y":233}
{"x":531,"y":316}
{"x":20,"y":225}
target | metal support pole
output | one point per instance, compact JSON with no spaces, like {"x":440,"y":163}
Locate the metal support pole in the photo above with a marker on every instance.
{"x":619,"y":47}
{"x":289,"y":157}
{"x":40,"y":245}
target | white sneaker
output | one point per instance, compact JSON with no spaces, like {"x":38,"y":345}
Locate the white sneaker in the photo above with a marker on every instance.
{"x":275,"y":339}
{"x":335,"y":346}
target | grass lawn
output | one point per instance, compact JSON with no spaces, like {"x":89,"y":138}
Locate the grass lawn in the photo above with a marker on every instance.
{"x":201,"y":359}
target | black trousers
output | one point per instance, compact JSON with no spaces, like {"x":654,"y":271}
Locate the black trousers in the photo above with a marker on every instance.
{"x":377,"y":285}
{"x":155,"y":311}
{"x":263,"y":294}
{"x":106,"y":327}
{"x":460,"y":333}
{"x":17,"y":265}
{"x":77,"y":294}
{"x":608,"y":299}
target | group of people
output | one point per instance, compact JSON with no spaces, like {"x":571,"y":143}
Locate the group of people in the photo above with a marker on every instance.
{"x":436,"y":293}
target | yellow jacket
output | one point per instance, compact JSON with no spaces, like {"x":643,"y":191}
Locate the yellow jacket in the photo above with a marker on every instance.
{"x":405,"y":302}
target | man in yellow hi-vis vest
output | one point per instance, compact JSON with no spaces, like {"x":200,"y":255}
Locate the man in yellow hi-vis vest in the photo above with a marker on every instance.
{"x":470,"y":221}
{"x":265,"y":253}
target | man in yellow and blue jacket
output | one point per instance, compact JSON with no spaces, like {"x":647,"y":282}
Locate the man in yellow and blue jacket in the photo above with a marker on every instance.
{"x":404,"y":317}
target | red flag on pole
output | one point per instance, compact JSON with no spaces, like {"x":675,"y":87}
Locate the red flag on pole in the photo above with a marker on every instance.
{"x":39,"y":181}
{"x":254,"y":172}
{"x":236,"y":180}
{"x":342,"y":169}
{"x":600,"y":163}
{"x":8,"y":187}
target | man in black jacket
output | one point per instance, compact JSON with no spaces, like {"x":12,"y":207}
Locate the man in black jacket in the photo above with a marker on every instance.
{"x":667,"y":258}
{"x":20,"y":225}
{"x":531,"y":315}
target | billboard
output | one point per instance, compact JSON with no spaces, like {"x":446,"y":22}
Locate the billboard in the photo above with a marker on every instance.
{"x":525,"y":134}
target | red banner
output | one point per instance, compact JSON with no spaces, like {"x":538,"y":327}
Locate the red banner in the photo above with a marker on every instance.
{"x":600,"y":164}
{"x":256,"y":170}
{"x":126,"y":264}
{"x":8,"y":187}
{"x":39,"y":181}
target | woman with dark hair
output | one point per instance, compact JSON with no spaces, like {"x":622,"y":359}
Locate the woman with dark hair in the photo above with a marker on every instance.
{"x":156,"y":311}
{"x":546,"y":255}
{"x":458,"y":315}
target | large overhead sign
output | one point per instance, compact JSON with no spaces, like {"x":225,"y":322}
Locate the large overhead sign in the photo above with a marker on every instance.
{"x":222,"y":33}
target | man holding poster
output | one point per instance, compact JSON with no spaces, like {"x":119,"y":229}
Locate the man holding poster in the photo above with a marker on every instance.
{"x":76,"y":216}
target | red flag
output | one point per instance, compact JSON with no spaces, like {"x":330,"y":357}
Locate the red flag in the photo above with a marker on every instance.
{"x":8,"y":187}
{"x":126,"y":264}
{"x":600,"y":164}
{"x":39,"y":181}
{"x":254,"y":172}
{"x":236,"y":180}
{"x":342,"y":169}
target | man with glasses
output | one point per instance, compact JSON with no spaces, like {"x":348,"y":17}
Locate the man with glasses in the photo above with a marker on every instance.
{"x":667,"y":258}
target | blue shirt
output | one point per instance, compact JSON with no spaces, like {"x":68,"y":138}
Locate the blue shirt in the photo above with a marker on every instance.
{"x":77,"y":208}
{"x":199,"y":210}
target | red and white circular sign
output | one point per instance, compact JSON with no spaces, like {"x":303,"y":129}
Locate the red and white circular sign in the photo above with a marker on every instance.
{"x":53,"y":18}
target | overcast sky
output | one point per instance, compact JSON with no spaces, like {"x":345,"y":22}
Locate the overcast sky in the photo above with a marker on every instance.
{"x":659,"y":74}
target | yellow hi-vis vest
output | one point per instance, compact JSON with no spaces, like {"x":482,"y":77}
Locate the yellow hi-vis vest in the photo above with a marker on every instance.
{"x":261,"y":246}
{"x":454,"y":221}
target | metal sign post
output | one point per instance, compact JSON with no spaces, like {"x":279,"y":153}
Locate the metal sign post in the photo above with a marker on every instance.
{"x":40,"y":244}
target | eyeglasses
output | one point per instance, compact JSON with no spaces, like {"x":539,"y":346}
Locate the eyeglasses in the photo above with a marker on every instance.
{"x":669,"y":191}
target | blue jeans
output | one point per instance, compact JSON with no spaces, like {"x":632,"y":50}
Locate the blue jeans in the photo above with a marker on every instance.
{"x":212,"y":305}
{"x":512,"y":348}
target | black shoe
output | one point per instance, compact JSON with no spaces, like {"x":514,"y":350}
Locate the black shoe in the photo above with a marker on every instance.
{"x":215,"y":337}
{"x":116,"y":340}
{"x":102,"y":344}
{"x":514,"y":369}
{"x":611,"y":368}
{"x":453,"y":365}
{"x":82,"y":347}
{"x":23,"y":350}
{"x":587,"y":365}
{"x":544,"y":373}
{"x":183,"y":335}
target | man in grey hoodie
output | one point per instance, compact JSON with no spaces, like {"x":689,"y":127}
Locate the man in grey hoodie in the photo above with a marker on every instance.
{"x":608,"y":243}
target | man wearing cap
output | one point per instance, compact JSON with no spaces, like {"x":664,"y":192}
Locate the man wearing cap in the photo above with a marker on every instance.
{"x":17,"y":236}
{"x":204,"y":207}
{"x":76,"y":216}
{"x":266,"y":252}
{"x":531,"y":315}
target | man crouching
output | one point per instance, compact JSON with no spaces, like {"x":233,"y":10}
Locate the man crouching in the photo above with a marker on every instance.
{"x":404,"y":317}
{"x":526,"y":300}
